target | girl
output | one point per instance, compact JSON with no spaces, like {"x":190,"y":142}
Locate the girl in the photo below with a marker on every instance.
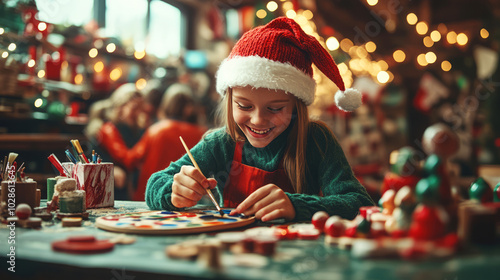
{"x":269,"y":159}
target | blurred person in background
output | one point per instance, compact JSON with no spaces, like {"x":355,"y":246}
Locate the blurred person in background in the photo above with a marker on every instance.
{"x":117,"y":119}
{"x":178,"y":116}
{"x":153,"y":94}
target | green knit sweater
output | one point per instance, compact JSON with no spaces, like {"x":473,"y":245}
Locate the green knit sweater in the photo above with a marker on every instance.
{"x":328,"y":173}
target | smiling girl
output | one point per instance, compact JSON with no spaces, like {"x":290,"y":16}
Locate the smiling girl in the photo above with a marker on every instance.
{"x":269,"y":159}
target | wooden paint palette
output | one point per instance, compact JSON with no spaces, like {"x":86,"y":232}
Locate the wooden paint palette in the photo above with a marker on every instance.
{"x":172,"y":222}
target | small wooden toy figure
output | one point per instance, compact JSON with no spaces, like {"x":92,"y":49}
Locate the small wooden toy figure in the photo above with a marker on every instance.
{"x":405,"y":203}
{"x":430,"y":220}
{"x":405,"y":170}
{"x":440,"y":143}
{"x":481,"y":191}
{"x":23,"y":217}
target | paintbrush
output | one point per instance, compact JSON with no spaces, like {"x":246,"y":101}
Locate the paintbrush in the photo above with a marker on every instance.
{"x":76,"y":144}
{"x":19,"y":169}
{"x":70,"y":156}
{"x":209,"y":192}
{"x":12,"y":158}
{"x":57,"y":164}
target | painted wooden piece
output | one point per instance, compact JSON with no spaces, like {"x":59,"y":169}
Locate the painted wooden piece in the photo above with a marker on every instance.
{"x":172,"y":222}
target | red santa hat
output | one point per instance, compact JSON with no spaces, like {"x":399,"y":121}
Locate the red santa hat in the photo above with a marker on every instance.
{"x":279,"y":56}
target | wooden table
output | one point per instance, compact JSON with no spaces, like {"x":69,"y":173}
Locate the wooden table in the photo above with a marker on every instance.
{"x":146,"y":259}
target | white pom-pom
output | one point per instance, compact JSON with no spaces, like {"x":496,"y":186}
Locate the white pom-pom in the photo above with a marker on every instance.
{"x":348,"y":100}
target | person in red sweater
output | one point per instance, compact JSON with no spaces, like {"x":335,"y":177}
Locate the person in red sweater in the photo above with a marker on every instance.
{"x":160,"y":144}
{"x":117,"y":119}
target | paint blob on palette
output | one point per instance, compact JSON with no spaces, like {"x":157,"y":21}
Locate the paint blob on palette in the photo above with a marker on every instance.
{"x":172,"y":222}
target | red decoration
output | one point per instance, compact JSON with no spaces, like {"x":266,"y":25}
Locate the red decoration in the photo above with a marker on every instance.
{"x":82,"y":245}
{"x":327,"y":31}
{"x":319,"y":220}
{"x":367,"y":211}
{"x":449,"y":241}
{"x":33,"y":25}
{"x":392,"y":181}
{"x":429,"y":223}
{"x":351,"y":232}
{"x":283,"y":232}
{"x":53,"y":66}
{"x":23,"y":211}
{"x":334,"y":227}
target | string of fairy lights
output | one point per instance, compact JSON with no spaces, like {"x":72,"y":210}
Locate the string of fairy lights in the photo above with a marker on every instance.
{"x":116,"y":72}
{"x":10,"y":48}
{"x":98,"y":64}
{"x":434,"y":36}
{"x":361,"y":61}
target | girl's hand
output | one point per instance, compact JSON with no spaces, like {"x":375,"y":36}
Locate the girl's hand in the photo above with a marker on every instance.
{"x":189,"y":186}
{"x":267,"y":203}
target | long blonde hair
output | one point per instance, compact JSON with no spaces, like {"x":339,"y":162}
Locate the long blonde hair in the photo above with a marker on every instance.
{"x":294,"y":159}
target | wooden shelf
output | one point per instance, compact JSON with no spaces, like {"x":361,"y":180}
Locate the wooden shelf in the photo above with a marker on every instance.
{"x":37,"y":142}
{"x":52,"y":85}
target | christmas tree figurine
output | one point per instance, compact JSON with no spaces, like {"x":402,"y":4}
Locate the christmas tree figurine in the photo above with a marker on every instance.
{"x":430,"y":220}
{"x":440,"y":143}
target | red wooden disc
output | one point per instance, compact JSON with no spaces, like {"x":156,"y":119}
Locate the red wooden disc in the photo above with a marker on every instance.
{"x":82,"y":245}
{"x":248,"y":244}
{"x":265,"y":245}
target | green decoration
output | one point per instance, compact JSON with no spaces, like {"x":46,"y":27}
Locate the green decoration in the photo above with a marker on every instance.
{"x":431,"y":165}
{"x":364,"y":227}
{"x":427,"y":189}
{"x":478,"y":189}
{"x":56,"y":110}
{"x":496,"y":193}
{"x":406,"y":163}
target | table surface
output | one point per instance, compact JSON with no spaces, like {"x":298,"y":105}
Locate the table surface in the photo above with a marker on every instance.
{"x":146,"y":259}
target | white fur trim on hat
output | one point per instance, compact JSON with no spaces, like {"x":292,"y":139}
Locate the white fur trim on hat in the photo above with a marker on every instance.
{"x":348,"y":100}
{"x":261,"y":72}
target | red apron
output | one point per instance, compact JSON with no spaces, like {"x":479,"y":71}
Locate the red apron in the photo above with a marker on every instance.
{"x":245,"y":179}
